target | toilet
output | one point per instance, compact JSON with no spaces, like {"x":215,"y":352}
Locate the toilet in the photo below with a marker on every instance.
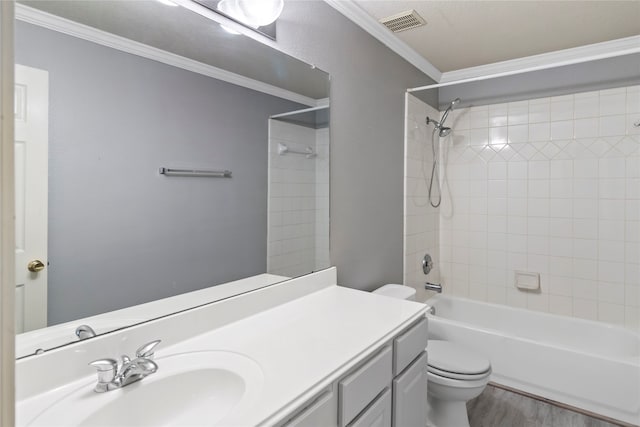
{"x":455,"y":374}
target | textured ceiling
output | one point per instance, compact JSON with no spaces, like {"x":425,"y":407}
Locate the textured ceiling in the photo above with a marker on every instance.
{"x":461,"y":34}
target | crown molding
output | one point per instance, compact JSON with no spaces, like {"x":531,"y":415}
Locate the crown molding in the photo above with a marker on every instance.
{"x":576,"y":55}
{"x":81,"y":31}
{"x":365,"y":21}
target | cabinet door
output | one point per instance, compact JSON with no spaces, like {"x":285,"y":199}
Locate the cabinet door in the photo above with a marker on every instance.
{"x":409,"y":345}
{"x":322,"y":412}
{"x":410,"y":395}
{"x":358,"y":389}
{"x":378,"y":414}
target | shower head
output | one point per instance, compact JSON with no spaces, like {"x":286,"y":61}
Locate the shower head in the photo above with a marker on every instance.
{"x":452,"y":104}
{"x":444,"y":131}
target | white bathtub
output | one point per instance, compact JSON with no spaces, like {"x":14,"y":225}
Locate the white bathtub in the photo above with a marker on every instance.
{"x":589,"y":365}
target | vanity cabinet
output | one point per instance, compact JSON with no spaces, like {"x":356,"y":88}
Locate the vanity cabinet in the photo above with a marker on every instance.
{"x":378,"y":414}
{"x":360,"y":388}
{"x":410,"y":395}
{"x":320,"y":412}
{"x":389,"y":389}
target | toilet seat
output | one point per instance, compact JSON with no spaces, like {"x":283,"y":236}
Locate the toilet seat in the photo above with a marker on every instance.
{"x":453,"y":361}
{"x":456,"y":376}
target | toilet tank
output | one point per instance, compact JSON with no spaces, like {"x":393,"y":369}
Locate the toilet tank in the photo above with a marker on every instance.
{"x":397,"y":291}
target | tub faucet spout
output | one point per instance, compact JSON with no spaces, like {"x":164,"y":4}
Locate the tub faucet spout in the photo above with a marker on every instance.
{"x":433,"y":287}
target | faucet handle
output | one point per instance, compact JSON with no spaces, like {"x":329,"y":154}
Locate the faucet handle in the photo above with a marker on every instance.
{"x":147,"y":350}
{"x":106,"y":370}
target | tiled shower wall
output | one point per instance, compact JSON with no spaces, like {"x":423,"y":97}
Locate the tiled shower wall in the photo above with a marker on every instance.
{"x":421,"y":219}
{"x":550,"y":186}
{"x":298,"y":223}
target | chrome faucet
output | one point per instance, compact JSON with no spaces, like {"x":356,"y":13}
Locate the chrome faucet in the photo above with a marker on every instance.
{"x":85,"y":331}
{"x":111,"y":376}
{"x":433,"y":287}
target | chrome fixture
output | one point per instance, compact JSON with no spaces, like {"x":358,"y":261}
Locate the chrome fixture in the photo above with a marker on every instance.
{"x":111,"y":376}
{"x":85,"y":331}
{"x":433,"y":287}
{"x":195,"y":172}
{"x":636,"y":123}
{"x":432,"y":310}
{"x":427,"y":264}
{"x":442,"y":132}
{"x":307,"y":152}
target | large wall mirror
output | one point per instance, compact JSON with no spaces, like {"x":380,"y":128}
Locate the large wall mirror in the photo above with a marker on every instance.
{"x":161,"y":163}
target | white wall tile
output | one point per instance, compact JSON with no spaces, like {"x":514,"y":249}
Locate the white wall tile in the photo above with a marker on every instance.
{"x":585,"y":128}
{"x":585,"y":309}
{"x":549,"y":185}
{"x":612,"y":168}
{"x":498,"y":135}
{"x":498,"y":115}
{"x":518,"y":113}
{"x":562,"y":130}
{"x":586,"y":105}
{"x":518,"y":133}
{"x":612,"y":125}
{"x":478,"y":117}
{"x":612,"y":102}
{"x":539,"y":131}
{"x":585,"y":168}
{"x":538,"y":170}
{"x":561,"y":108}
{"x":585,"y":248}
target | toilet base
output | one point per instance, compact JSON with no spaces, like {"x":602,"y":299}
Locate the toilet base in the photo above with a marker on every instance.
{"x":442,"y":413}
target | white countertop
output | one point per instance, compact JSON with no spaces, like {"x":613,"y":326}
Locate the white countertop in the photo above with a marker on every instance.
{"x":301,"y":346}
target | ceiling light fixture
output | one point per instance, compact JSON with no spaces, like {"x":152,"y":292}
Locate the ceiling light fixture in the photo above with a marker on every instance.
{"x":228,"y":8}
{"x":254,"y":13}
{"x":260,"y":12}
{"x":167,"y":3}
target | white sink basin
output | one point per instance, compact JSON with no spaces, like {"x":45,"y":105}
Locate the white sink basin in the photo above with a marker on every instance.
{"x":200,"y":388}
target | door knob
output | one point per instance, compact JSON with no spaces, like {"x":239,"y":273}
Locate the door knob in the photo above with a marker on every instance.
{"x":35,"y":266}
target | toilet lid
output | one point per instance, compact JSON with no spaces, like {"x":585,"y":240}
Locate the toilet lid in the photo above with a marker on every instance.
{"x":453,"y":376}
{"x":446,"y":356}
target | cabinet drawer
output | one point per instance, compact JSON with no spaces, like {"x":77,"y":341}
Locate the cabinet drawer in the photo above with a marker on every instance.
{"x":409,"y":345}
{"x":410,"y":395}
{"x":358,"y":389}
{"x":321,"y":412}
{"x":378,"y":414}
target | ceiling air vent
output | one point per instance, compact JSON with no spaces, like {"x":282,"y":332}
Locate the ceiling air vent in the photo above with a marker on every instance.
{"x":403,"y":21}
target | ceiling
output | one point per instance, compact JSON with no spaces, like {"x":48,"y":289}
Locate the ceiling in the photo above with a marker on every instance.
{"x":462,"y":34}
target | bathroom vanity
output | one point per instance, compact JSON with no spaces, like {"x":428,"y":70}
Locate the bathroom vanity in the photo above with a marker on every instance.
{"x":302,"y":352}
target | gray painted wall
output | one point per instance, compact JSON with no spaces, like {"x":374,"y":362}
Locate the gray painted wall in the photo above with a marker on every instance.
{"x":368,"y":83}
{"x":120,"y":233}
{"x":595,"y":75}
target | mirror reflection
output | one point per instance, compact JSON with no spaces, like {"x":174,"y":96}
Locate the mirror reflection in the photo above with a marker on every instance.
{"x":107,"y":94}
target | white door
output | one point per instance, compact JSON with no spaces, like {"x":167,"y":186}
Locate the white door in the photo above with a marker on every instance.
{"x":31,"y":174}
